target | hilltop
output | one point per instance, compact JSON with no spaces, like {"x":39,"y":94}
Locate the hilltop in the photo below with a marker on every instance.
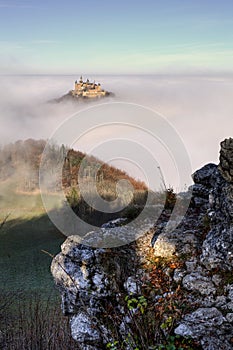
{"x":85,"y":90}
{"x":20,"y":166}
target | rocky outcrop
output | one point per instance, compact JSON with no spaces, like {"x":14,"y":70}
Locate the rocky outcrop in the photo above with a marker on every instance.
{"x":203,"y":324}
{"x":87,"y":277}
{"x":92,"y":281}
{"x":226,"y":160}
{"x":212,"y":279}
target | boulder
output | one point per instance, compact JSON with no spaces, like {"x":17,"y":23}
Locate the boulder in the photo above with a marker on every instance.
{"x":209,"y":326}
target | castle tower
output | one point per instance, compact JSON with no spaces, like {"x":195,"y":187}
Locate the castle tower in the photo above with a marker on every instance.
{"x":81,"y":79}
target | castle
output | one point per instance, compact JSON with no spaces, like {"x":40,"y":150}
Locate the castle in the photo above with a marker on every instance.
{"x":88,"y":89}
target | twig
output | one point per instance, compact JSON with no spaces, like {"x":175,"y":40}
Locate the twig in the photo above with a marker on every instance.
{"x":4,"y":221}
{"x":162,"y":178}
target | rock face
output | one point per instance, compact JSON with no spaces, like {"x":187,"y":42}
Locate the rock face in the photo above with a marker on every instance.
{"x":92,"y":280}
{"x":87,"y":277}
{"x":202,"y":323}
{"x":226,"y":160}
{"x":212,"y":277}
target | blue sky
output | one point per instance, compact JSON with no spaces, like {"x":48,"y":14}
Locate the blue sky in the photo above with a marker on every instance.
{"x":130,"y":36}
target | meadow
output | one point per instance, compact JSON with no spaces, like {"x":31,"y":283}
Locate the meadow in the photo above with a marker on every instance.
{"x":26,"y":232}
{"x":30,"y":313}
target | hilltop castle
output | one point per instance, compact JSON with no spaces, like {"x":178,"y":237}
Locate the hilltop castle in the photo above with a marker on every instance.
{"x":87,"y":89}
{"x":84,"y":90}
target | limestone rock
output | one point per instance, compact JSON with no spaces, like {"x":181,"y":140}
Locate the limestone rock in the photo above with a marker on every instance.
{"x":205,"y":176}
{"x":114,"y":223}
{"x":209,"y":326}
{"x":83,"y":329}
{"x":217,"y":250}
{"x":199,"y":283}
{"x":132,"y":285}
{"x":226,"y":160}
{"x":175,"y":243}
{"x":87,"y":277}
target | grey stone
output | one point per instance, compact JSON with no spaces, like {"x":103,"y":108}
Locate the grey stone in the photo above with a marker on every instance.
{"x":176,"y":243}
{"x":217,"y":250}
{"x":200,"y":323}
{"x":214,"y":343}
{"x":179,"y":275}
{"x":132,"y":285}
{"x":216,"y":279}
{"x":191,"y":266}
{"x":226,"y":159}
{"x":204,"y":175}
{"x":229,"y":317}
{"x":229,"y":306}
{"x":208,"y":326}
{"x":229,"y":289}
{"x":114,"y":223}
{"x":200,"y":202}
{"x":84,"y":330}
{"x":197,"y":282}
{"x":220,"y":301}
{"x":199,"y":190}
{"x":184,"y":330}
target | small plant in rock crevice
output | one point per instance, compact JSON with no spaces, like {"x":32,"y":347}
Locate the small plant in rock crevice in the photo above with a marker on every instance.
{"x":154,"y":313}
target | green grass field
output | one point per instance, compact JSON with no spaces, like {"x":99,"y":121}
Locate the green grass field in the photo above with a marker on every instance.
{"x":27,"y":231}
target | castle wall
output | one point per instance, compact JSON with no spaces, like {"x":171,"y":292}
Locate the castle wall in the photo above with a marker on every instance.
{"x":87,"y":89}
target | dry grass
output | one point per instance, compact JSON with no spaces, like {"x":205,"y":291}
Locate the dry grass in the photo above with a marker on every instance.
{"x":33,"y":323}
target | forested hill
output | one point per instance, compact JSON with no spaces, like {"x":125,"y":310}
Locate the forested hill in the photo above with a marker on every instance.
{"x":20,"y":162}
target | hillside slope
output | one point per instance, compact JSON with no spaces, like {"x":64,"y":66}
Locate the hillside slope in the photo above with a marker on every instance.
{"x":20,"y":162}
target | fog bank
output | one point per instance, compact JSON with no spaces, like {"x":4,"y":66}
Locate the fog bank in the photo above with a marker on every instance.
{"x":199,"y":108}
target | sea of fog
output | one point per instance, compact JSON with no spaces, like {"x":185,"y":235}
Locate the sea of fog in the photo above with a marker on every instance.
{"x":198,"y":108}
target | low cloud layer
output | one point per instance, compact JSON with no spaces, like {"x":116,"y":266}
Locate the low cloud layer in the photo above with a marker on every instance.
{"x":199,"y":108}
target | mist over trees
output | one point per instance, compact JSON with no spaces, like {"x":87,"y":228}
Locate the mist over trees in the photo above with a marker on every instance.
{"x":20,"y":162}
